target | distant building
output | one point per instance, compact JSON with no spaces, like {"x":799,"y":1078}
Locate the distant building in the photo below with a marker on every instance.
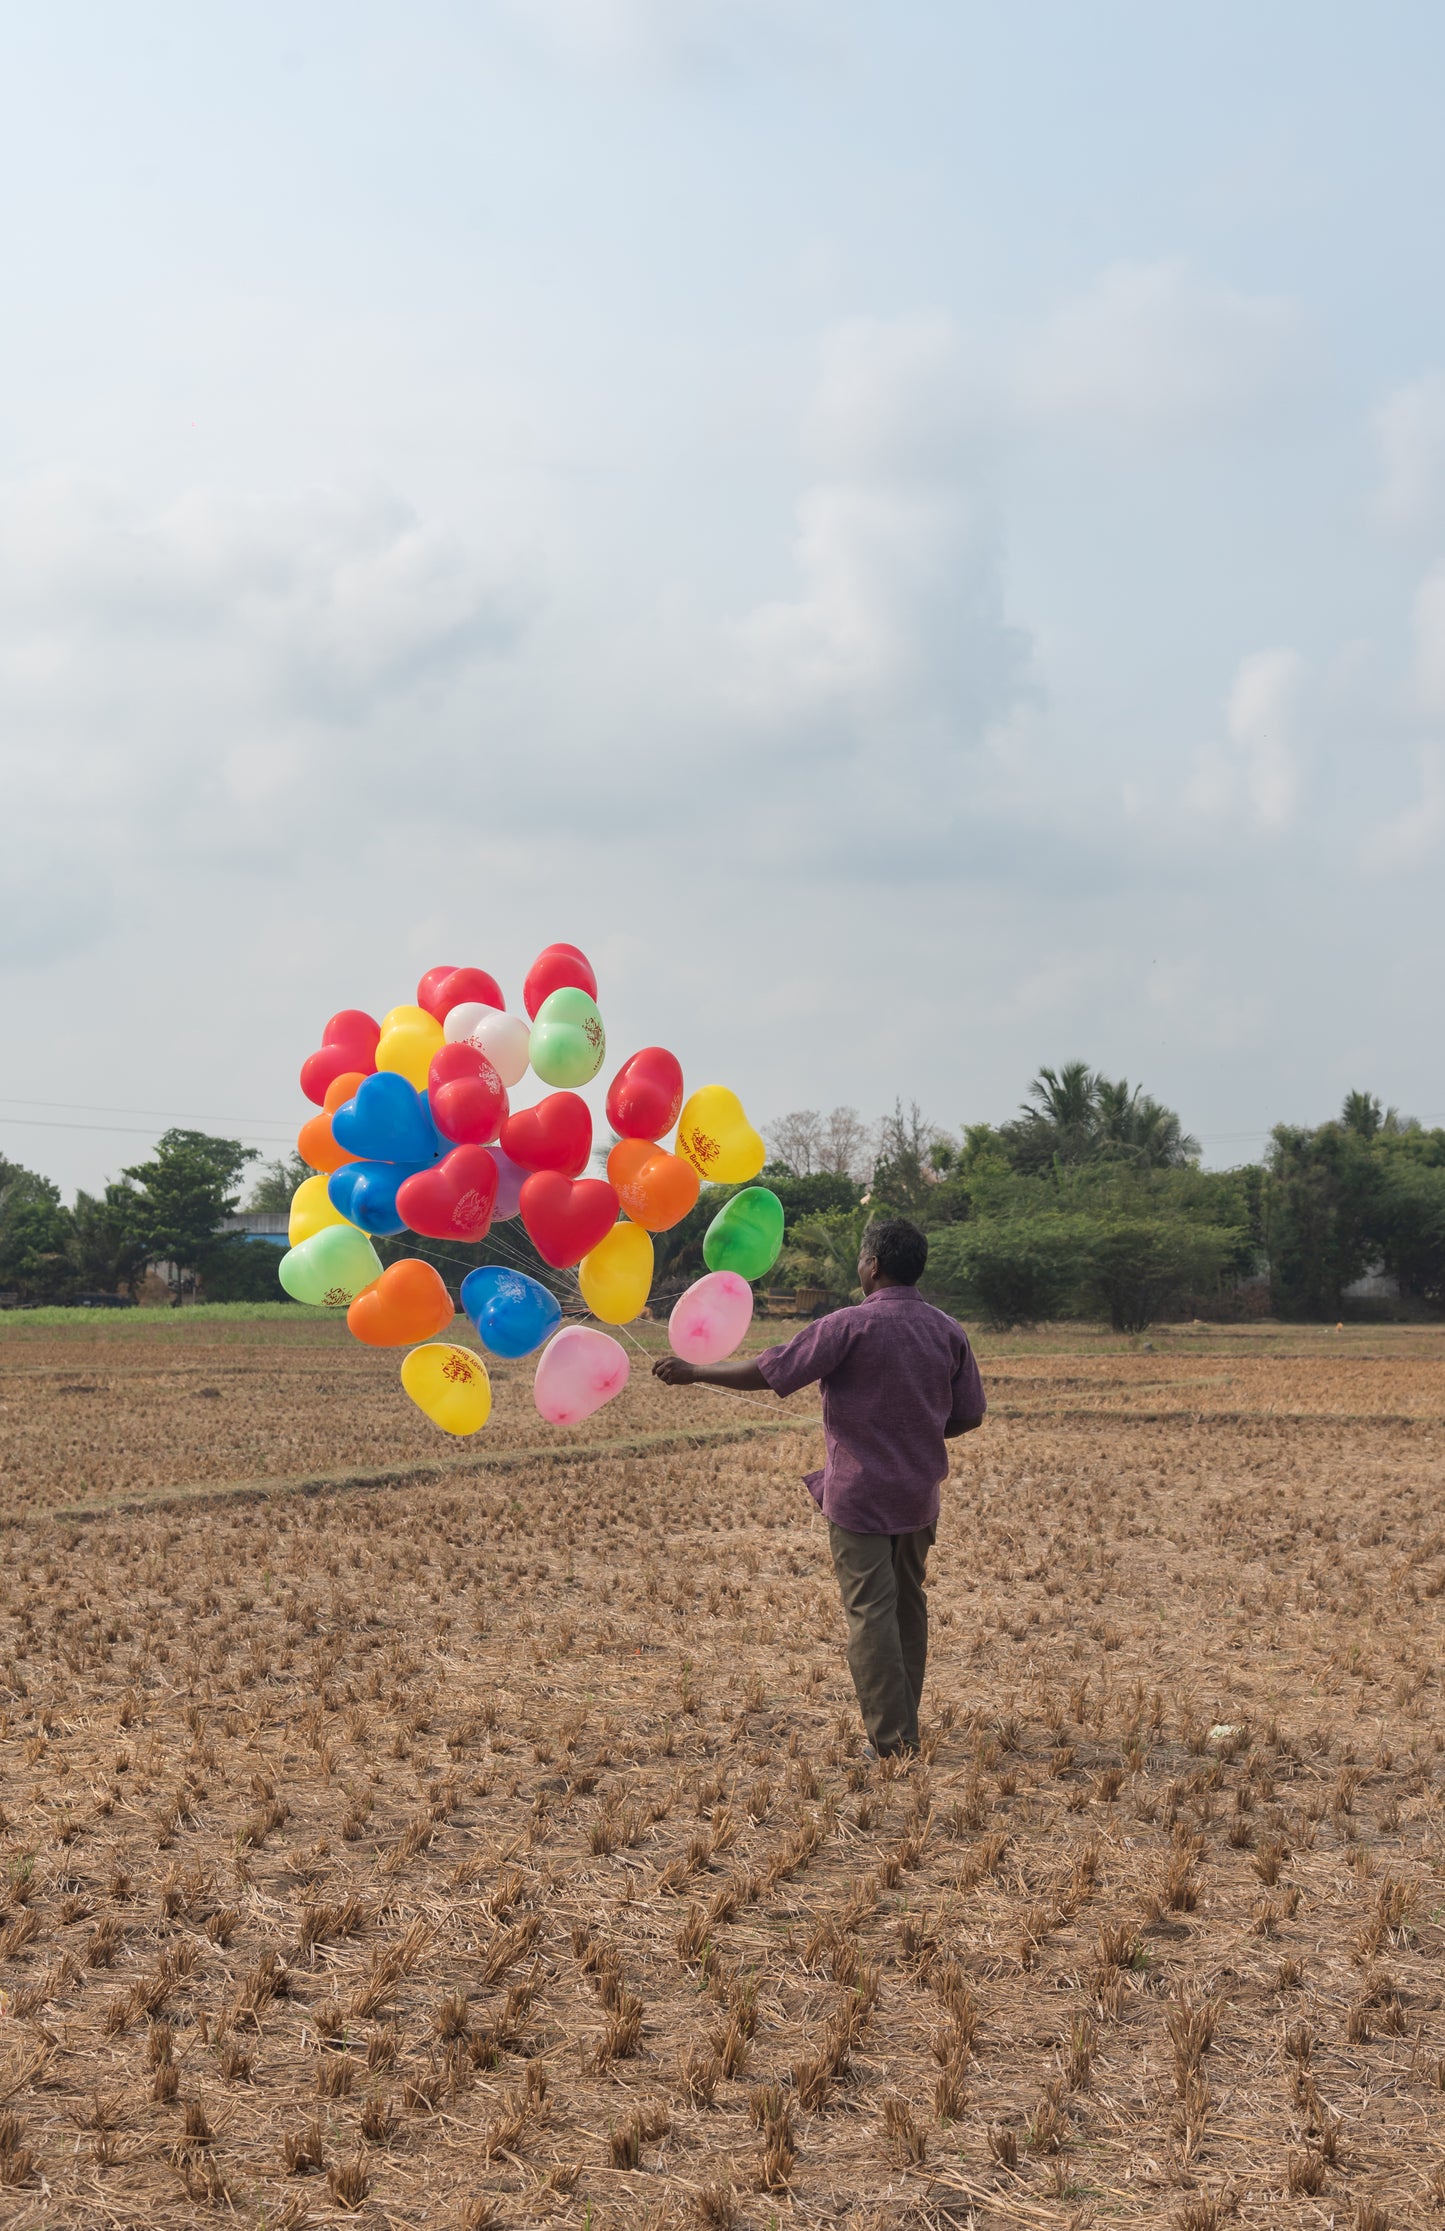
{"x":269,"y":1225}
{"x":1378,"y":1284}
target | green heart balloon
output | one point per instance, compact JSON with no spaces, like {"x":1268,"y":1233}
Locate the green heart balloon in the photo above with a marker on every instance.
{"x":330,"y":1269}
{"x":568,"y":1043}
{"x":746,"y":1235}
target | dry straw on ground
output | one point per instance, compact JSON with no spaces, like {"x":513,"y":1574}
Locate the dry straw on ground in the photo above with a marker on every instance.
{"x":494,"y":1849}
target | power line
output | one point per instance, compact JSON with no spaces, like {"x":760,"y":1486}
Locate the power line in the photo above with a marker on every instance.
{"x":135,"y":1130}
{"x":101,"y":1107}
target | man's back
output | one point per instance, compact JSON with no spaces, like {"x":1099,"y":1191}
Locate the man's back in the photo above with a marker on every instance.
{"x":898,"y":1376}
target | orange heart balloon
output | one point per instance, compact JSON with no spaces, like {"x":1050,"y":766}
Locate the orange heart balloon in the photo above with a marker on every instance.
{"x":656,"y":1188}
{"x":407,"y":1303}
{"x":314,"y":1142}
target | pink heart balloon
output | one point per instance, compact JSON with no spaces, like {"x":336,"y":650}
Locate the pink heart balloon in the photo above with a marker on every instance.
{"x":709,"y":1320}
{"x":511,"y":1177}
{"x":577,"y":1372}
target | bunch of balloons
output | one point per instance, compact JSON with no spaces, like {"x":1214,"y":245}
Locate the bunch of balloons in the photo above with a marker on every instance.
{"x":416,"y":1132}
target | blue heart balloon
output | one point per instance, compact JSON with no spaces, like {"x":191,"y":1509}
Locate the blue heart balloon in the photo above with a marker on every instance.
{"x":365,"y":1194}
{"x":387,"y":1120}
{"x":513,"y":1314}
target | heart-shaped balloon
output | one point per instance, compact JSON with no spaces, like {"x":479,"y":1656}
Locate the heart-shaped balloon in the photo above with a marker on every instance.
{"x":453,"y":1199}
{"x":746,"y":1235}
{"x":568,"y":1044}
{"x":710,"y":1319}
{"x":314,"y":1141}
{"x":331,"y":1268}
{"x":644,"y":1099}
{"x":557,"y":966}
{"x":408,"y":1302}
{"x":505,"y":1039}
{"x":555,"y":1135}
{"x":387,"y":1120}
{"x":616,"y":1277}
{"x":716,"y":1137}
{"x":365,"y":1193}
{"x":565,"y":1220}
{"x":577,"y":1372}
{"x":442,"y":989}
{"x":656,"y":1189}
{"x":513,"y":1314}
{"x":465,"y":1095}
{"x":511,"y":1177}
{"x":348,"y":1042}
{"x":344,"y":1088}
{"x":409,"y":1038}
{"x":449,"y":1385}
{"x":312,"y":1209}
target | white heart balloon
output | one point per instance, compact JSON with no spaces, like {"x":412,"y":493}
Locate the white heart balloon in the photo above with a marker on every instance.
{"x":462,"y":1020}
{"x":506,"y":1042}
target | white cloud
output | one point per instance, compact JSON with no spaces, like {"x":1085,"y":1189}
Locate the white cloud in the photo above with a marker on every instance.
{"x":1154,"y":348}
{"x":211,"y":676}
{"x":896,"y":636}
{"x":1257,"y":776}
{"x":1414,"y":836}
{"x":896,"y":398}
{"x":665,"y":32}
{"x":1409,"y":429}
{"x":1429,"y":619}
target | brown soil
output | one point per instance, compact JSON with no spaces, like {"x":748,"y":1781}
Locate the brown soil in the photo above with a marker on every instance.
{"x":127,"y":1407}
{"x":494,"y":1849}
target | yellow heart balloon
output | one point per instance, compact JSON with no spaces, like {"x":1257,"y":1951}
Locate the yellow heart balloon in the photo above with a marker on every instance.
{"x":409,"y":1038}
{"x":715,"y":1136}
{"x":311,"y":1209}
{"x":449,"y":1385}
{"x":616,"y":1277}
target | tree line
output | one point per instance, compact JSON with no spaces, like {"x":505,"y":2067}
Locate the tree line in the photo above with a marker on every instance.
{"x":1090,"y":1201}
{"x":166,"y":1210}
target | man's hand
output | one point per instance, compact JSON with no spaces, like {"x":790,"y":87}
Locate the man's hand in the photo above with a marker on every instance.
{"x":673,"y":1372}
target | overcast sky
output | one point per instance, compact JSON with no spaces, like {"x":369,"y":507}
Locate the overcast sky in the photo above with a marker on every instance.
{"x":914,"y":533}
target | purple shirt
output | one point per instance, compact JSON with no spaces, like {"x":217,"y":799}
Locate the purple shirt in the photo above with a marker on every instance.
{"x":896,"y":1374}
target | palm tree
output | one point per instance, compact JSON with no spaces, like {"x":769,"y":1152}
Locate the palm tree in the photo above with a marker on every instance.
{"x":1116,"y":1106}
{"x":1362,"y":1114}
{"x":825,"y":1247}
{"x":1075,"y":1115}
{"x":1135,"y":1127}
{"x":1160,"y":1141}
{"x":1063,"y":1103}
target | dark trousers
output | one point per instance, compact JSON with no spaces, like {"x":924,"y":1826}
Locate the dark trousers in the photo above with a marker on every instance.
{"x":881,"y":1578}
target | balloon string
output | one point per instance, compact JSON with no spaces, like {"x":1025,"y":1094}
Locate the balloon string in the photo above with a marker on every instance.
{"x":583,"y":1315}
{"x":758,"y":1401}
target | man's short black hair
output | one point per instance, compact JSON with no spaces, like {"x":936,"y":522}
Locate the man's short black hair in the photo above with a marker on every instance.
{"x":898,"y":1248}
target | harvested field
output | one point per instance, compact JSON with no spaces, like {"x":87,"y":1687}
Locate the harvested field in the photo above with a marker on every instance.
{"x":492,"y":1848}
{"x":160,"y":1401}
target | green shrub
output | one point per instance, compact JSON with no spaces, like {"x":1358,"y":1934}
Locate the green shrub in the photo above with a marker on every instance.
{"x":1143,"y":1268}
{"x":238,"y":1269}
{"x":1009,"y":1270}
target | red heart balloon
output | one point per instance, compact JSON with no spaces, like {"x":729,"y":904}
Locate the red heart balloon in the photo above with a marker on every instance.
{"x":644,"y":1099}
{"x":565,"y":1221}
{"x":426,"y":989}
{"x":555,"y":968}
{"x":454,"y":1198}
{"x":468,"y":1099}
{"x":555,"y":1135}
{"x":442,"y":989}
{"x":347,"y":1043}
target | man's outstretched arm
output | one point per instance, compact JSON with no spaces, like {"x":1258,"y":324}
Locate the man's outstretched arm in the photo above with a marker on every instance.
{"x":741,"y":1374}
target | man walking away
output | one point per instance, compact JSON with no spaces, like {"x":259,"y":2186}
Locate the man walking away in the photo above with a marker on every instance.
{"x":899,"y":1380}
